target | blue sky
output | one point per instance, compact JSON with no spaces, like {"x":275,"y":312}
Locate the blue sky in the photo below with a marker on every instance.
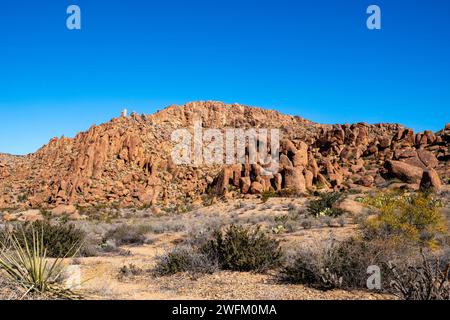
{"x":313,"y":58}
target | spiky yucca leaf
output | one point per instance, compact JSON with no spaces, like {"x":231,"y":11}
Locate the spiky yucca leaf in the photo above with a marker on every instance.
{"x":26,"y":264}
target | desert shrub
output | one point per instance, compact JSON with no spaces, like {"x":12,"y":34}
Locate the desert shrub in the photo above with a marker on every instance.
{"x":281,"y":224}
{"x":324,"y":206}
{"x":426,"y":281}
{"x":22,"y":198}
{"x":309,"y":269}
{"x":281,"y":220}
{"x":59,"y":239}
{"x":130,"y":270}
{"x":279,"y":229}
{"x":126,"y":234}
{"x":266,"y":195}
{"x":244,"y":249}
{"x":185,"y":259}
{"x":415,"y":217}
{"x":344,"y":264}
{"x":350,"y":259}
{"x":286,"y":223}
{"x":306,"y":224}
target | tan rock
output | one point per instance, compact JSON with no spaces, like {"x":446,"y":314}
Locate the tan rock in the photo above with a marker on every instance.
{"x":245,"y":185}
{"x":64,"y":209}
{"x":285,"y":162}
{"x":322,"y":181}
{"x":428,"y":159}
{"x":278,"y":181}
{"x":384,"y":142}
{"x":404,"y":171}
{"x":352,"y":206}
{"x":294,"y":179}
{"x":300,"y":158}
{"x":30,"y":216}
{"x":309,"y":180}
{"x":256,"y":188}
{"x":9,"y":217}
{"x":287,"y":147}
{"x":367,"y":181}
{"x":430,"y":181}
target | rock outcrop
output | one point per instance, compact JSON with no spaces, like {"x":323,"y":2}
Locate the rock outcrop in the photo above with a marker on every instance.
{"x":127,"y":161}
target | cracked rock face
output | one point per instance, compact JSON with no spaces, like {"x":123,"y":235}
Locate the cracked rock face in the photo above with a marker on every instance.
{"x":127,"y":161}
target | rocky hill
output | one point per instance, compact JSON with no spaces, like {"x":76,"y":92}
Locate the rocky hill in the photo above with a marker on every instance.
{"x":127,"y":161}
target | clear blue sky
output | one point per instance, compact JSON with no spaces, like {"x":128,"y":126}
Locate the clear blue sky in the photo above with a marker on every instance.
{"x":313,"y":58}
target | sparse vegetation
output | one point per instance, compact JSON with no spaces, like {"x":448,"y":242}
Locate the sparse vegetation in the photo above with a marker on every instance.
{"x":426,"y":281}
{"x":58,"y":239}
{"x":325,"y":205}
{"x":306,"y":224}
{"x":306,"y":272}
{"x":389,"y":240}
{"x":340,"y":265}
{"x":22,"y":197}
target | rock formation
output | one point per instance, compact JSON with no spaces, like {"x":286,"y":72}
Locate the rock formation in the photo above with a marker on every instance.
{"x":127,"y":161}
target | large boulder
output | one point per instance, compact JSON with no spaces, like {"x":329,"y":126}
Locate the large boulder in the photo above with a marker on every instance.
{"x":300,"y":159}
{"x":245,"y":184}
{"x":256,"y":188}
{"x":295,"y":180}
{"x":403,"y":171}
{"x":427,"y":158}
{"x":230,"y":174}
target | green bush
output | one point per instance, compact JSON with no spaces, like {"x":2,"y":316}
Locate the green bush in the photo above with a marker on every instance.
{"x":266,"y":195}
{"x":59,"y":239}
{"x":324,"y":206}
{"x":244,"y":249}
{"x":403,"y":216}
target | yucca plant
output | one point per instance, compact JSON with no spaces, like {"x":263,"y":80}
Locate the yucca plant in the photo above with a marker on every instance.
{"x":26,"y":263}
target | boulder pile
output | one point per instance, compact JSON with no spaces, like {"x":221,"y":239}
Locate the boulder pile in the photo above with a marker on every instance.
{"x":127,"y":161}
